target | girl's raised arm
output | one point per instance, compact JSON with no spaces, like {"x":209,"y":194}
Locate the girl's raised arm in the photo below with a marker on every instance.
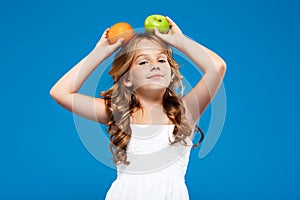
{"x":213,"y":66}
{"x":65,"y":90}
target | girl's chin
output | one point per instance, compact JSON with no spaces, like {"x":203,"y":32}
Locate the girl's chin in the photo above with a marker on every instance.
{"x":152,"y":87}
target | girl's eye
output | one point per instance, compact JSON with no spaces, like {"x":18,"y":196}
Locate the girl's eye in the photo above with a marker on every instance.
{"x":162,"y":61}
{"x":143,"y":63}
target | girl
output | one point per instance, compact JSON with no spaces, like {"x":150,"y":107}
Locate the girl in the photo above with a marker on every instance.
{"x":150,"y":126}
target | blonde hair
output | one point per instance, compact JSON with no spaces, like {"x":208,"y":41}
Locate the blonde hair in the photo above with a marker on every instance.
{"x":121,"y":100}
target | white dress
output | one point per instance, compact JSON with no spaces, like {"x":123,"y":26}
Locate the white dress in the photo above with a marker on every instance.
{"x":157,"y":169}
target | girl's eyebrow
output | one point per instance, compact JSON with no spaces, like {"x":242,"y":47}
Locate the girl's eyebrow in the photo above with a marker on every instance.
{"x":160,"y":53}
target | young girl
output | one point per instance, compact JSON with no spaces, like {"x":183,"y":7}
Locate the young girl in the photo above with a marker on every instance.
{"x":150,"y":126}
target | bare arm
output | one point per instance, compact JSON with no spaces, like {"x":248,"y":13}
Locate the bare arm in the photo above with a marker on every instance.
{"x":213,"y":66}
{"x":65,"y":90}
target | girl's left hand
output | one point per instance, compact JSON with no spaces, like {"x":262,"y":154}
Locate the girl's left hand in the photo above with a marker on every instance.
{"x":104,"y":45}
{"x":173,"y":35}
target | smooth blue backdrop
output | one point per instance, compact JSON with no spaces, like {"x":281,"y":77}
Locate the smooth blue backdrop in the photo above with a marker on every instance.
{"x":257,"y":155}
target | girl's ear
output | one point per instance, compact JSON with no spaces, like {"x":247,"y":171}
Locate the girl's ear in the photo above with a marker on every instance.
{"x":172,"y":75}
{"x":127,"y":81}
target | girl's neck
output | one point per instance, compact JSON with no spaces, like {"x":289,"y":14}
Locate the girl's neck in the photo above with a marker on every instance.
{"x":152,"y":110}
{"x":148,"y":99}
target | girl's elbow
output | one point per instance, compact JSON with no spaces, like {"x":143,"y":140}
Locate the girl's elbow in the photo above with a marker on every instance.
{"x":53,"y":92}
{"x":222,"y":68}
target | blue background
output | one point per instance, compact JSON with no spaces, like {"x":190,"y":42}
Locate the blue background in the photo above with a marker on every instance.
{"x":257,"y":155}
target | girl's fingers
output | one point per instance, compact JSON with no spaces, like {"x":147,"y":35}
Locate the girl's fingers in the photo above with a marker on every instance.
{"x":118,"y":43}
{"x":171,"y":22}
{"x":156,"y":32}
{"x":169,"y":19}
{"x":173,"y":25}
{"x":104,"y":35}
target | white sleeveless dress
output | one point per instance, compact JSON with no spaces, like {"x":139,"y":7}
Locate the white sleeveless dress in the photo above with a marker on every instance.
{"x":157,"y":169}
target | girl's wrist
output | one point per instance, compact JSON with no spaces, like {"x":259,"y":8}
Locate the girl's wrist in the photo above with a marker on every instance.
{"x":184,"y":43}
{"x":100,"y":52}
{"x":179,"y":41}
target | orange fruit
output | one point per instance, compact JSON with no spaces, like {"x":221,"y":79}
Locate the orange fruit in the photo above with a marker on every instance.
{"x":120,"y":30}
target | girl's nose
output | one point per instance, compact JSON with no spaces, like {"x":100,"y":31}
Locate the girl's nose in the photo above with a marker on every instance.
{"x":154,"y":67}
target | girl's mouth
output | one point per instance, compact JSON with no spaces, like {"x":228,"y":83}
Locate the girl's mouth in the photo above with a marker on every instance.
{"x":155,"y":76}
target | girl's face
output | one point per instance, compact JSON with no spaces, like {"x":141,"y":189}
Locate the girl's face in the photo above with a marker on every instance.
{"x":150,"y":69}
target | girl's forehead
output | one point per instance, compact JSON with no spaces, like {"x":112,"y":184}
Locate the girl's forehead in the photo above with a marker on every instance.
{"x":149,"y":51}
{"x":148,"y":44}
{"x":148,"y":47}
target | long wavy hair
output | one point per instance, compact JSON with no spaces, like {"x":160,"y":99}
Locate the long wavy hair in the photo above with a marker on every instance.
{"x":121,"y":101}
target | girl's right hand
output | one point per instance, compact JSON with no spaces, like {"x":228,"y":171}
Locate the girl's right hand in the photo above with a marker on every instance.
{"x":104,"y":45}
{"x":173,"y":36}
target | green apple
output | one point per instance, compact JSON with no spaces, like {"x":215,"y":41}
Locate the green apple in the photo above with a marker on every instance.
{"x":158,"y":21}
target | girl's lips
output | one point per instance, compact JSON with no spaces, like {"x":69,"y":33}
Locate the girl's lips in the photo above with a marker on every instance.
{"x":155,"y":76}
